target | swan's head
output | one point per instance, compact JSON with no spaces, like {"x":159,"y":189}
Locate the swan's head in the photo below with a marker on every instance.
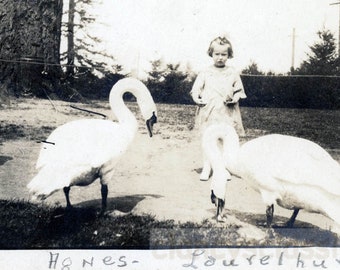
{"x":144,"y":99}
{"x":219,"y":203}
{"x":148,"y":109}
{"x":150,"y":122}
{"x":218,"y":190}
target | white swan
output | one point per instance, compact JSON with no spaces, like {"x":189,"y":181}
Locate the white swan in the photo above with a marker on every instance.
{"x":79,"y":152}
{"x":293,"y":172}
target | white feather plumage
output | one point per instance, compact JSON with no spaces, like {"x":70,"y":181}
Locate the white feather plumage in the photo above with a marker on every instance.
{"x":293,"y":172}
{"x":79,"y":152}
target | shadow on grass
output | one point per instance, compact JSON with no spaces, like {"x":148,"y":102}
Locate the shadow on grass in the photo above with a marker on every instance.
{"x":122,"y":203}
{"x":4,"y":159}
{"x":304,"y":233}
{"x":24,"y":225}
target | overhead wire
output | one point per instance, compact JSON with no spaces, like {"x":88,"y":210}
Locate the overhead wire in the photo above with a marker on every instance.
{"x":26,"y":60}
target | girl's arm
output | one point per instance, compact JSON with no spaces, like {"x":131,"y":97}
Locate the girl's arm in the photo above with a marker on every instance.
{"x":238,"y":89}
{"x":197,"y":89}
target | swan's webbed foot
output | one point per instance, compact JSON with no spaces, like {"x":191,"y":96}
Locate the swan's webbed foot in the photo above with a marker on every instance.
{"x":220,"y":208}
{"x":270,"y":233}
{"x":220,"y":218}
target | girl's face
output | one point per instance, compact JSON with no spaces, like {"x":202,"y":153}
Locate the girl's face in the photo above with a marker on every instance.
{"x":220,"y":55}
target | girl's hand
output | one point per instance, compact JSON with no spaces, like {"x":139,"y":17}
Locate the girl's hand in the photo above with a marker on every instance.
{"x":235,"y":99}
{"x":229,"y":102}
{"x":232,"y":101}
{"x":200,"y":102}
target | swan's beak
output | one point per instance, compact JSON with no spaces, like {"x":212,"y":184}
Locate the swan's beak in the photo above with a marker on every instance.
{"x":150,"y":122}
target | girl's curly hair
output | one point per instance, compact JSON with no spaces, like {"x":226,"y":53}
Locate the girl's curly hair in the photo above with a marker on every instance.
{"x":221,"y":41}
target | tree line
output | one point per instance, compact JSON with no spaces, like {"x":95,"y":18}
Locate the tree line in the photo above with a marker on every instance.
{"x":41,"y":70}
{"x":314,"y":84}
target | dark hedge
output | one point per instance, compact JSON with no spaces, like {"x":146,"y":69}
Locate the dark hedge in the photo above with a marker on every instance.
{"x":292,"y":92}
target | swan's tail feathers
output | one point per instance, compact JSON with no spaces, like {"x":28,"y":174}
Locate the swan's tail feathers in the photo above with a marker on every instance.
{"x":46,"y":182}
{"x":38,"y":187}
{"x":332,"y":209}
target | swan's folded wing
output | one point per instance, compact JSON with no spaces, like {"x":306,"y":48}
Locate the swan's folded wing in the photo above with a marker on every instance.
{"x":91,"y":142}
{"x":292,"y":160}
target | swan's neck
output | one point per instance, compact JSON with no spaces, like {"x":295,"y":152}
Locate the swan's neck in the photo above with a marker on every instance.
{"x":213,"y":151}
{"x":221,"y":145}
{"x":231,"y":147}
{"x":121,"y":111}
{"x":123,"y":114}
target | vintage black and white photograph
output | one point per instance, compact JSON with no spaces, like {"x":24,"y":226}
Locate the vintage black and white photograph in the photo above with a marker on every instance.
{"x":170,"y":126}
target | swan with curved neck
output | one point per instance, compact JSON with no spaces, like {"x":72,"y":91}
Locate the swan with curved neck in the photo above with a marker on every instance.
{"x":292,"y":172}
{"x":81,"y":151}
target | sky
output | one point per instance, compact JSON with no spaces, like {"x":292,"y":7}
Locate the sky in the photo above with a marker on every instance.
{"x":179,"y":31}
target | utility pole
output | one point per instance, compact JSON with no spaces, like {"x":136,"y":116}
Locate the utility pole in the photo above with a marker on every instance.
{"x":293,"y":51}
{"x":338,"y":3}
{"x":70,"y":40}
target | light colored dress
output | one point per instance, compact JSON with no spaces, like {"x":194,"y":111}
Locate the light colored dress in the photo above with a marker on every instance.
{"x":216,"y":87}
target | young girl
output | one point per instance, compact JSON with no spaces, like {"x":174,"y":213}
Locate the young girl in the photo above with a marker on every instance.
{"x":217,"y":91}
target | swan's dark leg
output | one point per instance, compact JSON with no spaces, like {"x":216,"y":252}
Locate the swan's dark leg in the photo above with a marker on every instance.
{"x":291,"y":221}
{"x":67,"y":195}
{"x":270,"y":214}
{"x":104,"y":191}
{"x":220,"y":208}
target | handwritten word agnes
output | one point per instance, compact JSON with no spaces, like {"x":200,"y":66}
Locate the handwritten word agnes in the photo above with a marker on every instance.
{"x":200,"y":259}
{"x":67,"y":263}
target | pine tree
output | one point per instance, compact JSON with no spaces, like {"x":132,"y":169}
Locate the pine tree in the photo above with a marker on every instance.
{"x":252,"y":69}
{"x":322,"y":60}
{"x":81,"y":42}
